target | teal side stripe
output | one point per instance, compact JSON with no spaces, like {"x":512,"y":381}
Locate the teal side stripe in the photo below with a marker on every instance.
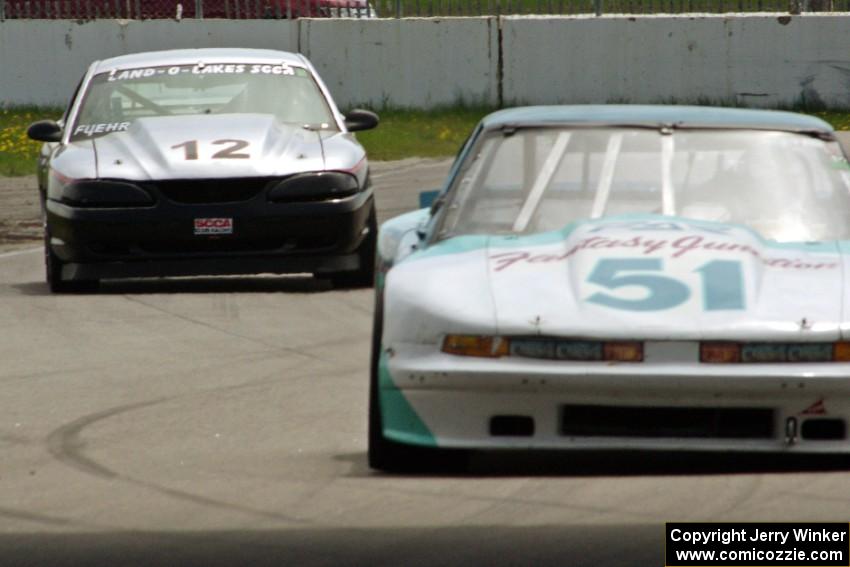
{"x":401,"y":422}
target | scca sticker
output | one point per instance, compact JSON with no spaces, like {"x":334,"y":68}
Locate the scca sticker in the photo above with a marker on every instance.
{"x":214,"y":226}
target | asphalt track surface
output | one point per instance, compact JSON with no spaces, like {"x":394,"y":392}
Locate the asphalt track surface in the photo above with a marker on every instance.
{"x":217,"y":422}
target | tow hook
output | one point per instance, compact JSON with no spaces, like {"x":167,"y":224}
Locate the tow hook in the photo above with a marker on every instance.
{"x":791,"y":431}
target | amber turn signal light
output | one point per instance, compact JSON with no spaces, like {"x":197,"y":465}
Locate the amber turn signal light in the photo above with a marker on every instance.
{"x":720,"y":352}
{"x":475,"y":345}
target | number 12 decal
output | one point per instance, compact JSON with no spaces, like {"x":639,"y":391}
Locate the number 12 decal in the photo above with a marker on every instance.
{"x":722,"y":285}
{"x":190,"y":149}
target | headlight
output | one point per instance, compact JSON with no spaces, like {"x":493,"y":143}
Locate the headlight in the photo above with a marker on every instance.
{"x":95,"y":193}
{"x":321,"y":186}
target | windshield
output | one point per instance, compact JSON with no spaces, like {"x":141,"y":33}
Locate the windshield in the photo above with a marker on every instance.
{"x":115,"y":99}
{"x":787,"y":187}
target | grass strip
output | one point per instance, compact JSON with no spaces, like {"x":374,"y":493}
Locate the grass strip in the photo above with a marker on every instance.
{"x":17,"y":152}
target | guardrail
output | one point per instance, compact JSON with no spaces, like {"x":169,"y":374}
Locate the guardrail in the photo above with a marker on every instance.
{"x":288,"y":9}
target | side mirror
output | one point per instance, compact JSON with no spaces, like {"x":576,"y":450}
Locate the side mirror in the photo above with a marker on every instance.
{"x":45,"y":131}
{"x":426,"y":198}
{"x":359,"y":119}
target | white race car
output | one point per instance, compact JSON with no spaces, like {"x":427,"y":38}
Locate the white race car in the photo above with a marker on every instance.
{"x":619,"y":277}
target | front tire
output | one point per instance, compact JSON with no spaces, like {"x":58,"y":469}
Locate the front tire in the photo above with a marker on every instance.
{"x":364,"y":276}
{"x":389,"y":456}
{"x":53,"y":272}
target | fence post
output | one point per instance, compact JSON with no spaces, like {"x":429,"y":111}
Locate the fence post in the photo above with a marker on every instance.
{"x":597,"y":4}
{"x":2,"y":9}
{"x":199,"y":9}
{"x":397,"y":8}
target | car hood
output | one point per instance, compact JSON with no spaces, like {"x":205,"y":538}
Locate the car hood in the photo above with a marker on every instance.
{"x":656,"y":278}
{"x":173,"y":147}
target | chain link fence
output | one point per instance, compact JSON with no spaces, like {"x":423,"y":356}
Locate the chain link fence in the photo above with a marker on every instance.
{"x":286,"y":9}
{"x":428,"y":8}
{"x":178,"y":10}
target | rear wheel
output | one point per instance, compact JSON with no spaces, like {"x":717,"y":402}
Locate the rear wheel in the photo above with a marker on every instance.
{"x":388,"y":455}
{"x":53,"y":272}
{"x":364,"y":276}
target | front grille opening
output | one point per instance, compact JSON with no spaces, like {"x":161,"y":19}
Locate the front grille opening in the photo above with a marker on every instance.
{"x":655,"y":422}
{"x":823,"y":430}
{"x":511,"y":426}
{"x":207,"y":191}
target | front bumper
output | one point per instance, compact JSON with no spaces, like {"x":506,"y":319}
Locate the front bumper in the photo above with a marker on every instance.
{"x":318,"y":237}
{"x":434,"y":399}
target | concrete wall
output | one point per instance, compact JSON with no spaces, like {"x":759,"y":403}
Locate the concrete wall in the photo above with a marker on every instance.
{"x":750,"y":60}
{"x":41,"y":61}
{"x":415,"y":62}
{"x":411,"y":62}
{"x":756,"y":60}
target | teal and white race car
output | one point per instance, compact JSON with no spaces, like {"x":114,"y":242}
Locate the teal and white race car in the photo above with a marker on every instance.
{"x":619,"y":277}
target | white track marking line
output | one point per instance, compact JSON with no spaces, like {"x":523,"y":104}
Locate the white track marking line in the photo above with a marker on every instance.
{"x":19,"y":252}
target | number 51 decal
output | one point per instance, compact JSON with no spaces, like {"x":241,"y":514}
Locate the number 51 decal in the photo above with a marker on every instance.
{"x":722,"y":285}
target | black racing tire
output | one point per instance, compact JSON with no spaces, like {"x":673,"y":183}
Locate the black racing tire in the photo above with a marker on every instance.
{"x":390,"y":456}
{"x":364,"y":276}
{"x":53,"y":273}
